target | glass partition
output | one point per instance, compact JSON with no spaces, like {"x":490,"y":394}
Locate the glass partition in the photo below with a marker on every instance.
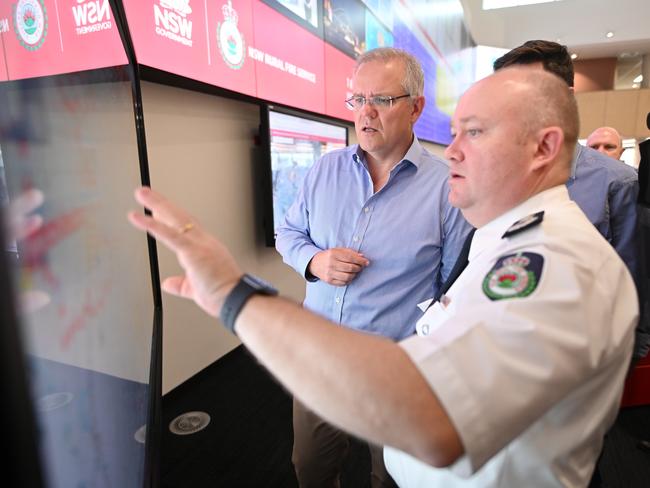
{"x":80,"y":277}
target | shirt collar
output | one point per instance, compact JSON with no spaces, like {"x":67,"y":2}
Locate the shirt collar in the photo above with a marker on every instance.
{"x":576,"y":154}
{"x":413,"y":155}
{"x":493,"y":231}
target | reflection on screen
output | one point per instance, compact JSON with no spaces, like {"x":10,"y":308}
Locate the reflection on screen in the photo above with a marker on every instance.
{"x":85,"y":303}
{"x":296,"y":144}
{"x":4,"y":202}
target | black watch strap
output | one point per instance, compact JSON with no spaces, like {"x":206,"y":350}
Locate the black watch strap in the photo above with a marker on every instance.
{"x":248,"y":286}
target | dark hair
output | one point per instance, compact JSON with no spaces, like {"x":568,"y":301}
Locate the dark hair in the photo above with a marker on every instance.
{"x":554,"y":57}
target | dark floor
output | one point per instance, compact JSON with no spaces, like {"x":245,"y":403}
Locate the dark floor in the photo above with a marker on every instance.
{"x":248,"y":441}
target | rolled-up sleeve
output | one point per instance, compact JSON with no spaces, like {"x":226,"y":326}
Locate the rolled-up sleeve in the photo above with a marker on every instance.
{"x":497,"y":367}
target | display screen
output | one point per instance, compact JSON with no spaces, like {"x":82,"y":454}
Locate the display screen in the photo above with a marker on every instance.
{"x":296,"y":143}
{"x":82,"y":277}
{"x":81,"y":297}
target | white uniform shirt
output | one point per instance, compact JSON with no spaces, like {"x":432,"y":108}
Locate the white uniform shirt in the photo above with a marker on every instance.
{"x":531,"y":383}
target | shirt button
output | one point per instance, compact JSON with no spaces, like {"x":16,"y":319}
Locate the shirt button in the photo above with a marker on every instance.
{"x":337,"y":300}
{"x":366,"y":210}
{"x":425,"y":329}
{"x":355,"y":238}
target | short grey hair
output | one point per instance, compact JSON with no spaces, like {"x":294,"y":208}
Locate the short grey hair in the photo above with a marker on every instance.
{"x":413,"y":82}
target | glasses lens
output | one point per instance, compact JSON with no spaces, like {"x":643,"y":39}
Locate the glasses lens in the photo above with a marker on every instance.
{"x":355,"y":103}
{"x":381,"y":102}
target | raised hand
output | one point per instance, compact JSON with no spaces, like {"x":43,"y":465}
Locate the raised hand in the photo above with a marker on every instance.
{"x":210,"y":270}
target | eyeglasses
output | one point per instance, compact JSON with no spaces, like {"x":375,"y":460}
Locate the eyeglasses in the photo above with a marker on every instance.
{"x":379,"y":101}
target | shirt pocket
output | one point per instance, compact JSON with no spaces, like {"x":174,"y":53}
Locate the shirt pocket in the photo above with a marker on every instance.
{"x":432,"y":319}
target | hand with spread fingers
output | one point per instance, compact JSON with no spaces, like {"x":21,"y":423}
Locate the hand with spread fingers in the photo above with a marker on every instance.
{"x":210,"y":270}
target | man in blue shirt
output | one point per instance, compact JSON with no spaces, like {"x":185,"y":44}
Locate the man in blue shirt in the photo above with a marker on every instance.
{"x":373,"y":234}
{"x":605,"y":189}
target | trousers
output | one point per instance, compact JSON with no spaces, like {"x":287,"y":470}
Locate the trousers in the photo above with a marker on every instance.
{"x":319,"y":450}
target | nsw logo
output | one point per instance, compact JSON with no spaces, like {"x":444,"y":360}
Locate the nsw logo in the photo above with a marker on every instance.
{"x":172,"y":22}
{"x":91,"y":16}
{"x":229,"y":39}
{"x":30,"y":23}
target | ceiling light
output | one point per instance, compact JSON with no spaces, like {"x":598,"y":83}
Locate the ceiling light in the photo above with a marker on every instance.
{"x":609,"y":35}
{"x":574,"y":55}
{"x":638,"y":79}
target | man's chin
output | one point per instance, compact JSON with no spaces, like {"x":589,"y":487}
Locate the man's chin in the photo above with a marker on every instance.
{"x":456,"y":200}
{"x":367,"y":146}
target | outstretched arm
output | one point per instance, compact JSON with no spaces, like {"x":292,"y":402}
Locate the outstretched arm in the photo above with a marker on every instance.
{"x":366,"y":385}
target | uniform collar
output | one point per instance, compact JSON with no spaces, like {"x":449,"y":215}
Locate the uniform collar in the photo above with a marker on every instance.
{"x":413,"y":155}
{"x":491,"y":232}
{"x":576,"y":154}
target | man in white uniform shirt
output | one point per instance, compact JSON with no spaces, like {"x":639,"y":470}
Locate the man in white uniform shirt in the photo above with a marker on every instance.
{"x":517,"y":370}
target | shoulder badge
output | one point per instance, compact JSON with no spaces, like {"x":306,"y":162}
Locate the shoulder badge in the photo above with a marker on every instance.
{"x":523,"y":224}
{"x":514,"y":276}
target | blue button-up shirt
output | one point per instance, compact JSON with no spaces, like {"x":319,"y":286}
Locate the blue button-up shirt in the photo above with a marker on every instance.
{"x":606,"y":190}
{"x":407,"y":230}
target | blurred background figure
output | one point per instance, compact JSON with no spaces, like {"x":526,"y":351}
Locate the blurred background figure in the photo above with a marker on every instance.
{"x":21,"y":223}
{"x":607,"y":141}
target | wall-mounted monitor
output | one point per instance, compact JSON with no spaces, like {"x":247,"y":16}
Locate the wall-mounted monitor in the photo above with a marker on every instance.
{"x":291,"y":143}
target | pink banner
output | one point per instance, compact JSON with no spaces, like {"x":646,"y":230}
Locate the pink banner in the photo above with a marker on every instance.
{"x":169,"y":35}
{"x":48,"y":37}
{"x":290,"y":61}
{"x":33,"y":44}
{"x":230,"y":34}
{"x":338,"y":82}
{"x":3,"y":66}
{"x":90,"y":37}
{"x":201,"y":40}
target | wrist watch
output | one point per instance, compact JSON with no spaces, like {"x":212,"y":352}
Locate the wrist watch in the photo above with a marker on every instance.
{"x":248,"y":286}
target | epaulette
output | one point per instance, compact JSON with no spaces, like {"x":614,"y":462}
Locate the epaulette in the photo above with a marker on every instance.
{"x":526,"y":223}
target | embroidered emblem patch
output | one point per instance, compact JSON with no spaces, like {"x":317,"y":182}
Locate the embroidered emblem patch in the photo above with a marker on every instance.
{"x":514,"y":276}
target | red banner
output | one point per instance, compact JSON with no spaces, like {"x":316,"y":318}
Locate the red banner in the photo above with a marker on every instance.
{"x":338,"y":83}
{"x":3,"y":66}
{"x":89,"y":34}
{"x":290,"y":61}
{"x":48,"y":37}
{"x":230,"y":27}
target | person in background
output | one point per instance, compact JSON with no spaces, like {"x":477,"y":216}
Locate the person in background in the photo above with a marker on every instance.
{"x":604,"y":189}
{"x":606,"y":140}
{"x":373,"y":234}
{"x":517,"y":371}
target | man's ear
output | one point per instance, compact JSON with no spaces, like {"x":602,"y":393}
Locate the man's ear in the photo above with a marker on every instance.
{"x":418,"y":107}
{"x":550,"y":141}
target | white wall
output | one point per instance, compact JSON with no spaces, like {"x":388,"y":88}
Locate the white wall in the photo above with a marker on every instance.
{"x":201,"y":155}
